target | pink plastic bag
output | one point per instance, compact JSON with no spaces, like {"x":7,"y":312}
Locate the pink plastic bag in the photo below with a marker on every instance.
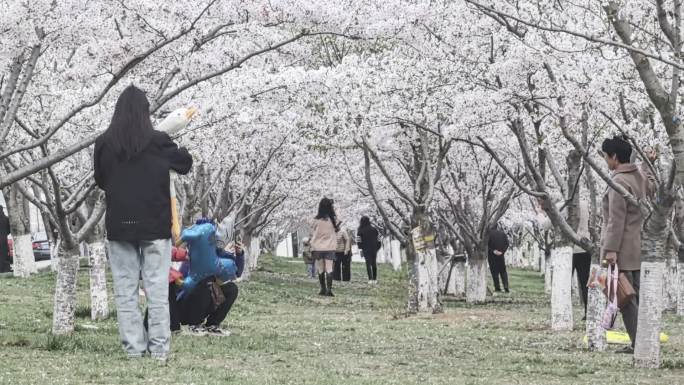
{"x":611,"y":312}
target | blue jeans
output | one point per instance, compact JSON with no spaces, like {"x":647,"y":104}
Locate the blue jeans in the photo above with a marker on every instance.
{"x":152,"y":260}
{"x":310,"y":270}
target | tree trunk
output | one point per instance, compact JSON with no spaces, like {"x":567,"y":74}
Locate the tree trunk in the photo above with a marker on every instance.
{"x":561,"y":299}
{"x":596,"y":303}
{"x":576,"y":300}
{"x":24,"y":260}
{"x":426,"y":270}
{"x":412,"y":307}
{"x":647,"y":344}
{"x":65,"y":291}
{"x":548,"y":273}
{"x":99,"y":306}
{"x":395,"y":247}
{"x":247,"y":243}
{"x":670,"y":285}
{"x":20,"y":227}
{"x":254,"y":252}
{"x":680,"y":289}
{"x":654,"y":251}
{"x":476,"y":289}
{"x":444,"y":276}
{"x":458,"y":279}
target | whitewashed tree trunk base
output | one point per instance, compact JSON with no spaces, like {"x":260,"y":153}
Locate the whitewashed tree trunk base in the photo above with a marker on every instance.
{"x":254,"y":252}
{"x":596,"y":303}
{"x":427,"y":270}
{"x":680,"y":289}
{"x":99,"y":306}
{"x":670,"y":287}
{"x":576,"y":300}
{"x":458,"y":279}
{"x":395,"y":246}
{"x":476,"y":290}
{"x":561,"y":296}
{"x":647,"y":344}
{"x":24,"y":260}
{"x":65,"y":294}
{"x":548,"y":275}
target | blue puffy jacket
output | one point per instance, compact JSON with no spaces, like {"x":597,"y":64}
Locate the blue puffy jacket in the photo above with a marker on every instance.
{"x":204,"y":260}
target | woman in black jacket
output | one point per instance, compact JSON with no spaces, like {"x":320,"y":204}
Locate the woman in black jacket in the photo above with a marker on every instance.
{"x":367,"y":240}
{"x":132,"y":164}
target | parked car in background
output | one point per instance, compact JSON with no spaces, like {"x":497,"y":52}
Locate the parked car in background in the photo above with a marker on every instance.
{"x":40,"y":244}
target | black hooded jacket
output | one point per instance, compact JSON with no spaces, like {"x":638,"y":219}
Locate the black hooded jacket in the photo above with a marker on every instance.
{"x":137,"y":190}
{"x":367,"y":239}
{"x":497,"y":241}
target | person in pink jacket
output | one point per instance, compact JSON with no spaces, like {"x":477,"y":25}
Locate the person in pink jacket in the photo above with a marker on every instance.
{"x":324,"y":244}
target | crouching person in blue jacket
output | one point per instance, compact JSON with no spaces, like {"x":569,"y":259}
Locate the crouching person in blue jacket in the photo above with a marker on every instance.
{"x":207,"y":305}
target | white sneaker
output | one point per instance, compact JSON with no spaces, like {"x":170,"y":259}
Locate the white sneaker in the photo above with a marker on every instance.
{"x":370,"y":281}
{"x":214,"y":330}
{"x":195,"y":330}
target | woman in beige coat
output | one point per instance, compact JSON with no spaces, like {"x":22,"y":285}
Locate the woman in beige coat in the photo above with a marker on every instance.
{"x":324,"y":243}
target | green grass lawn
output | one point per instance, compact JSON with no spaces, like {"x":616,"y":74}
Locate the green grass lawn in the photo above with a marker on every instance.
{"x":283,"y":333}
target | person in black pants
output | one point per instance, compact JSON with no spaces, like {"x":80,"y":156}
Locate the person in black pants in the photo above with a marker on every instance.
{"x":342,"y":264}
{"x":4,"y":246}
{"x":581,"y":260}
{"x":199,"y":307}
{"x":497,"y":245}
{"x":581,"y":263}
{"x":200,"y":304}
{"x":367,"y":239}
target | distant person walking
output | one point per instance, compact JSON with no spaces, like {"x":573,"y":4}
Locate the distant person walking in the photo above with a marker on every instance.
{"x":342,"y":265}
{"x":132,"y":164}
{"x":367,"y":239}
{"x":4,"y":245}
{"x":498,"y":244}
{"x":324,"y":244}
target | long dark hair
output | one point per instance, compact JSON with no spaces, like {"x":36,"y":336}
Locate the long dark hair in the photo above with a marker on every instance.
{"x":326,"y":210}
{"x":131,"y":129}
{"x":364,"y":222}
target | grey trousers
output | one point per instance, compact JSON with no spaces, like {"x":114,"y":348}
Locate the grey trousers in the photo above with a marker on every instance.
{"x":152,"y":260}
{"x":630,"y":313}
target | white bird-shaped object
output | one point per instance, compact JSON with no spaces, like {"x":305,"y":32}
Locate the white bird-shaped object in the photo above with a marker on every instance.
{"x":177,"y":120}
{"x":174,"y":122}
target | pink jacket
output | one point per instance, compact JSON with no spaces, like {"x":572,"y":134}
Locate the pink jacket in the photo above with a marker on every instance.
{"x":324,"y":237}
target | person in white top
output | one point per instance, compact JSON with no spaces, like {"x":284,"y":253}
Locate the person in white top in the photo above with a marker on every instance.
{"x":324,"y":244}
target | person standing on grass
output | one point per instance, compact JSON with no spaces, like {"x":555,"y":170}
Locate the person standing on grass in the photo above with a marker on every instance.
{"x":621,"y":227}
{"x":324,"y":243}
{"x":367,"y":239}
{"x":308,"y":258}
{"x":4,"y":244}
{"x":342,"y":265}
{"x":497,"y":246}
{"x":132,"y":164}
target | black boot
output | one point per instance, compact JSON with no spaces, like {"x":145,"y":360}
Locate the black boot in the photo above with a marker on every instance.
{"x":329,"y":278}
{"x":321,"y":280}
